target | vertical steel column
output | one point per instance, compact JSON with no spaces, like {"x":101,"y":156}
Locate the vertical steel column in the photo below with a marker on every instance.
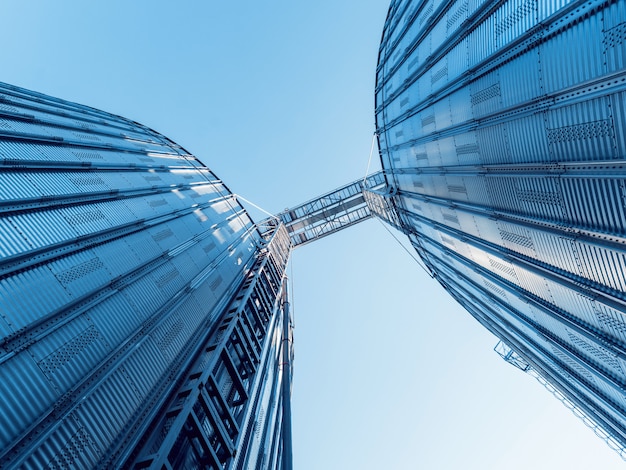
{"x":287,"y":455}
{"x":331,"y":212}
{"x":218,"y":415}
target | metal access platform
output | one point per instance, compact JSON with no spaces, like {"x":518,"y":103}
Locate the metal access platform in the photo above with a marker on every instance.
{"x":338,"y":209}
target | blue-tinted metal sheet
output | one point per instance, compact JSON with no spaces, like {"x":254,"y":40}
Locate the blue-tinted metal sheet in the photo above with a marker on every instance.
{"x":25,"y":393}
{"x":503,"y":145}
{"x":109,"y":233}
{"x":30,"y":295}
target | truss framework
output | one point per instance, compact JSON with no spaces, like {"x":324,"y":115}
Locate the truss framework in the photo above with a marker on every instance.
{"x":214,"y":410}
{"x":332,"y":211}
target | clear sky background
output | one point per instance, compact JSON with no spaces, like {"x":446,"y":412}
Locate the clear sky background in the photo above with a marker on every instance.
{"x":276,"y":97}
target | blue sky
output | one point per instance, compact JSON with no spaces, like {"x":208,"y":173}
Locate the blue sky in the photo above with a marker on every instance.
{"x":277,"y":98}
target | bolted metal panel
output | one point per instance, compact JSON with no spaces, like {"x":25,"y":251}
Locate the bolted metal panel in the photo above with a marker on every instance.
{"x":503,"y":148}
{"x":119,"y":251}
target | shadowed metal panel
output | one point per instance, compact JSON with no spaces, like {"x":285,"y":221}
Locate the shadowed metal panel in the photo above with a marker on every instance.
{"x":118,"y":251}
{"x":502,"y":139}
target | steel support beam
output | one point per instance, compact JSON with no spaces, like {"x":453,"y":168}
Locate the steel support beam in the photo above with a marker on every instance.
{"x":331,"y":212}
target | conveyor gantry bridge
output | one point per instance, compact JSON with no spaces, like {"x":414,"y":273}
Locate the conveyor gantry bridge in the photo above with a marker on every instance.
{"x":338,"y":209}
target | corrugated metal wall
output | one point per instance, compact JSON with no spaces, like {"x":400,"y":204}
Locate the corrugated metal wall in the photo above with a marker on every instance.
{"x":118,"y":251}
{"x":500,"y":126}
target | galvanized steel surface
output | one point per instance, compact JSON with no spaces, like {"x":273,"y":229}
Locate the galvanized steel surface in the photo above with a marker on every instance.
{"x":227,"y":412}
{"x":118,"y":251}
{"x":500,"y":128}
